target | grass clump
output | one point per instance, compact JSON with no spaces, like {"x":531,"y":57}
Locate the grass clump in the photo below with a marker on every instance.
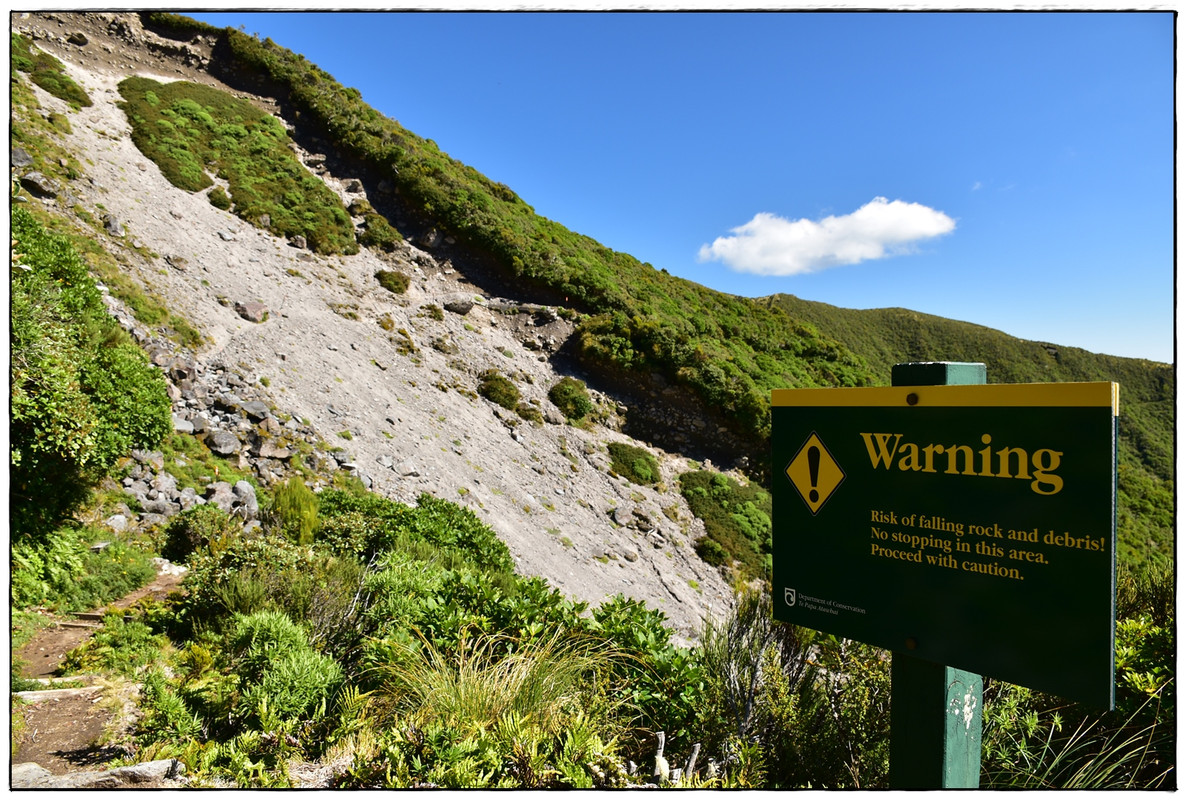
{"x":189,"y":129}
{"x":393,"y":281}
{"x":571,"y":397}
{"x":46,"y":71}
{"x":293,"y":511}
{"x":633,"y":463}
{"x":498,"y":389}
{"x":378,"y":233}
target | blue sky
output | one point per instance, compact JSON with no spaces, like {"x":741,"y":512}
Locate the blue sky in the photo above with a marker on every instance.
{"x":1009,"y":169}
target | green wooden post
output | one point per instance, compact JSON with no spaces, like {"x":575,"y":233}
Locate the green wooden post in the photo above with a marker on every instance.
{"x":935,"y":710}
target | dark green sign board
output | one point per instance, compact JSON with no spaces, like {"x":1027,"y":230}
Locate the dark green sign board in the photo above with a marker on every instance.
{"x":972,"y":526}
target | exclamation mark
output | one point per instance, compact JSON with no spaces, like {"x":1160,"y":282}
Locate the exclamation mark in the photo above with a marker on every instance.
{"x":813,"y":468}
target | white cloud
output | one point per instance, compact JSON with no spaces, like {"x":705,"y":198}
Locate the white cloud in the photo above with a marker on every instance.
{"x":771,"y":245}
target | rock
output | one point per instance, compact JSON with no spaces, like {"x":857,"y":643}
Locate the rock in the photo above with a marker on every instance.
{"x":223,"y":443}
{"x":77,"y":38}
{"x":160,"y":505}
{"x":256,"y":410}
{"x":20,"y":157}
{"x":407,"y":469}
{"x":246,"y":501}
{"x":112,"y":225}
{"x":200,"y":422}
{"x":270,"y":449}
{"x":165,"y":484}
{"x":182,"y":425}
{"x":153,"y":458}
{"x":430,"y":240}
{"x":622,"y":516}
{"x":153,"y":520}
{"x":385,"y":461}
{"x":117,"y":523}
{"x":188,"y":498}
{"x":34,"y":776}
{"x":226,"y":236}
{"x":354,"y":185}
{"x":298,"y":242}
{"x":252,"y":312}
{"x":39,"y":185}
{"x":222,"y":495}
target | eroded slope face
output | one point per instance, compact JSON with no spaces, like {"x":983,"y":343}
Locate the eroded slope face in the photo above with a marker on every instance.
{"x":391,"y":379}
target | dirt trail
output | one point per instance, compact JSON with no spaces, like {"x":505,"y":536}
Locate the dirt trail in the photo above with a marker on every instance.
{"x":62,"y":726}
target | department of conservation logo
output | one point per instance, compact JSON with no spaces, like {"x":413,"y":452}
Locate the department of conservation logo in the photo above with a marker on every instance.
{"x":790,"y":596}
{"x":814,"y":473}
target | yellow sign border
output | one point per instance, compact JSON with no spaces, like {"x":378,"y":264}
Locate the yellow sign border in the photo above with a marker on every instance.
{"x":1050,"y":395}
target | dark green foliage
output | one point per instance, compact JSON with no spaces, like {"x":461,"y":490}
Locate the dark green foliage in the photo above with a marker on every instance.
{"x":59,"y":570}
{"x":46,"y":71}
{"x":123,"y":646}
{"x":571,"y":397}
{"x":82,"y":394}
{"x":736,"y":521}
{"x":498,"y":389}
{"x":370,"y":524}
{"x":633,"y":463}
{"x":294,"y":510}
{"x":281,"y":674}
{"x":220,"y":199}
{"x":189,"y":129}
{"x":392,"y":280}
{"x":199,"y":528}
{"x":378,"y":233}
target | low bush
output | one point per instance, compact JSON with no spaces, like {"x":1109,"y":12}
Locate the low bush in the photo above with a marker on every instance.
{"x":633,"y":463}
{"x":46,"y":71}
{"x":736,"y":521}
{"x":293,"y":511}
{"x":571,"y":397}
{"x":199,"y":528}
{"x":219,"y":198}
{"x":393,"y":281}
{"x":187,"y":128}
{"x":379,"y":234}
{"x":498,"y":389}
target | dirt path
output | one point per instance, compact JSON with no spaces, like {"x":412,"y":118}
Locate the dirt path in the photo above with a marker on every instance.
{"x":63,"y":728}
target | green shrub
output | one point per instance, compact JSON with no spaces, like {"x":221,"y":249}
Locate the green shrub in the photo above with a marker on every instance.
{"x":393,"y":281}
{"x":82,"y":394}
{"x":122,"y":645}
{"x":498,"y":389}
{"x":633,"y":463}
{"x":46,"y":71}
{"x":202,"y":527}
{"x":219,"y":198}
{"x":379,"y":234}
{"x":529,"y":412}
{"x":737,"y":520}
{"x":571,"y":397}
{"x":186,"y":128}
{"x":294,"y":510}
{"x":283,"y":675}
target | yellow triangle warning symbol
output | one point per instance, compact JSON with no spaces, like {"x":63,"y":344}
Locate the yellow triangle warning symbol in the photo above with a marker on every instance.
{"x":814,"y":473}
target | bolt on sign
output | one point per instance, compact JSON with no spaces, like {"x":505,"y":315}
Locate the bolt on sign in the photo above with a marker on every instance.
{"x":973,"y":526}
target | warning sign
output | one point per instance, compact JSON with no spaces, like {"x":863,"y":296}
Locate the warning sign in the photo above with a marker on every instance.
{"x":814,"y":473}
